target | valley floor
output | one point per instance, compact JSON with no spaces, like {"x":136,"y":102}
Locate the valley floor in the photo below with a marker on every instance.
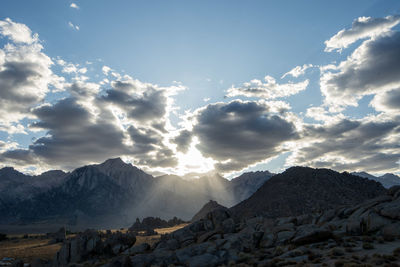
{"x":34,"y":246}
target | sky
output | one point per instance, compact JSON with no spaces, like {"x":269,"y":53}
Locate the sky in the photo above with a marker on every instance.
{"x":195,"y":86}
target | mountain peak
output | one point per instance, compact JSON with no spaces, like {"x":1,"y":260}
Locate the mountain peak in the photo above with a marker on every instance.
{"x":114,"y":161}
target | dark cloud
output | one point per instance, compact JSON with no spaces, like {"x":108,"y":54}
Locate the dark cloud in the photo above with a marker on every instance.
{"x":84,"y":130}
{"x":183,"y":140}
{"x":238,"y":134}
{"x":141,"y":102}
{"x":75,"y":136}
{"x":368,"y":145}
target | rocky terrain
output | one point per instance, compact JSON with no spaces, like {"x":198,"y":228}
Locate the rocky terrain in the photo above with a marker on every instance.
{"x":207,"y":208}
{"x":95,"y":195}
{"x":367,"y":234}
{"x":302,"y":190}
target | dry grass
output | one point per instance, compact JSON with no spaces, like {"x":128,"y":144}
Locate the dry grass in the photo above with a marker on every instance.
{"x":163,"y":231}
{"x":28,"y":249}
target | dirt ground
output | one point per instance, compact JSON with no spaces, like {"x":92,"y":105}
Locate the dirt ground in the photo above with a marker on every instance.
{"x":36,"y":246}
{"x":28,"y":249}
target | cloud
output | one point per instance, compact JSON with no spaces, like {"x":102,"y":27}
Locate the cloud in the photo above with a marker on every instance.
{"x":73,"y":26}
{"x":297,"y":71}
{"x":25,"y":75}
{"x":73,"y":5}
{"x":17,"y":32}
{"x":363,"y":27}
{"x":268,"y":90}
{"x":183,"y":140}
{"x":238,"y":134}
{"x":388,"y":102}
{"x":369,"y":144}
{"x":372,"y":68}
{"x":106,"y":70}
{"x":142,"y":102}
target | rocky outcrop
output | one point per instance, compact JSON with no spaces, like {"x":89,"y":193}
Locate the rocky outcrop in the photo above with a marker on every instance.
{"x":93,"y":245}
{"x":344,"y":235}
{"x":207,"y":208}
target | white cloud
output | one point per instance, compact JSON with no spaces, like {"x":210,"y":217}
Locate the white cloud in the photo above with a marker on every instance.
{"x":268,"y":90}
{"x":25,"y":74}
{"x":106,"y":70}
{"x":297,"y":71}
{"x":363,"y":27}
{"x":372,"y":68}
{"x":73,"y":26}
{"x":17,"y":32}
{"x":73,"y":5}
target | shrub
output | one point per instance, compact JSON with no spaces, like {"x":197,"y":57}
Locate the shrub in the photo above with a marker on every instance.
{"x":367,"y":245}
{"x":3,"y":237}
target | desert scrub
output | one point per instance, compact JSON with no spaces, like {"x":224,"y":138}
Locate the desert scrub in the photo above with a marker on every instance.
{"x":367,"y":245}
{"x":279,"y":251}
{"x":396,"y":252}
{"x":336,"y":252}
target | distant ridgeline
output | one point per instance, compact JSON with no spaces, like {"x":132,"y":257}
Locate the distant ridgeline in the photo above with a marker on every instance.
{"x":113,"y":194}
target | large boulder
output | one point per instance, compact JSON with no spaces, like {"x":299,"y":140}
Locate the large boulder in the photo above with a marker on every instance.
{"x":307,"y":234}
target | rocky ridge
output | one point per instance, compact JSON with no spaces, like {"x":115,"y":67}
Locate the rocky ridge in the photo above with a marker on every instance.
{"x":302,"y":190}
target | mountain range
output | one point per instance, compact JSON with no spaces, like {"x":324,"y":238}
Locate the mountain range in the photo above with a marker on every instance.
{"x":114,"y":194}
{"x":387,"y":180}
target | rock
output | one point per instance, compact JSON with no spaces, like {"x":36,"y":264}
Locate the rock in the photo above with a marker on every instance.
{"x":283,"y":227}
{"x":117,"y":249}
{"x":394,"y":190}
{"x":354,"y":227}
{"x":304,"y":219}
{"x":391,"y":231}
{"x":206,"y":259}
{"x":284,"y":237}
{"x":391,"y":210}
{"x":18,"y":263}
{"x":267,"y":241}
{"x":376,"y":222}
{"x":228,"y":226}
{"x":217,"y":216}
{"x":137,"y":249}
{"x":39,"y":263}
{"x":142,"y":260}
{"x":307,"y":234}
{"x":206,"y":236}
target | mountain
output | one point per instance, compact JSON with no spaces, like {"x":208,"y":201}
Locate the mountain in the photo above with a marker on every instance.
{"x":387,"y":180}
{"x":207,"y":208}
{"x":16,"y":186}
{"x":301,"y":190}
{"x":247,"y":184}
{"x":114,"y":194}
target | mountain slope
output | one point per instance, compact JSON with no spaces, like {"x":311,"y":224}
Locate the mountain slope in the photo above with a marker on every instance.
{"x":247,"y":184}
{"x":114,"y":193}
{"x":208,"y":207}
{"x":387,"y":180}
{"x":301,"y":190}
